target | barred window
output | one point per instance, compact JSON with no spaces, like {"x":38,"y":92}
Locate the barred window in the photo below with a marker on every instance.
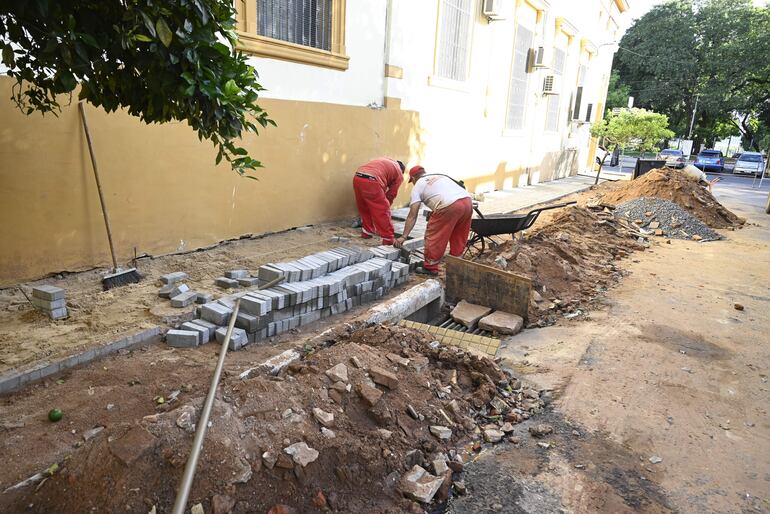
{"x":579,"y":92}
{"x":303,"y":22}
{"x":517,"y":92}
{"x":454,"y":39}
{"x":552,"y":113}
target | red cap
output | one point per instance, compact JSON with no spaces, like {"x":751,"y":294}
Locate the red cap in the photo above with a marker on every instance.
{"x":414,"y":171}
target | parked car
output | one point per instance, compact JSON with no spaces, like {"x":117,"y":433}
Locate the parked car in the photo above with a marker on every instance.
{"x":674,"y":158}
{"x":710,"y":160}
{"x":750,"y":163}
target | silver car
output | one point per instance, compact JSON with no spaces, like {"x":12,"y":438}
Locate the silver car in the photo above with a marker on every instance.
{"x":674,"y":158}
{"x":750,"y":163}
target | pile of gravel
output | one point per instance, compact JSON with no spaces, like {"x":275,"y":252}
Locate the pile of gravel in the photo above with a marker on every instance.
{"x":665,"y":218}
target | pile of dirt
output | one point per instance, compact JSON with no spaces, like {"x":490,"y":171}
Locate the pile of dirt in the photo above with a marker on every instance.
{"x":673,"y":185}
{"x":341,"y":429}
{"x":570,"y":260}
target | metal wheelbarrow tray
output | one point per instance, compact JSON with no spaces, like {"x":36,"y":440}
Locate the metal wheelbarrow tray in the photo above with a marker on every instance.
{"x":484,"y":227}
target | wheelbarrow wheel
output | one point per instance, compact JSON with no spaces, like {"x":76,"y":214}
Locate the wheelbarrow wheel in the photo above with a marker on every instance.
{"x":475,"y":247}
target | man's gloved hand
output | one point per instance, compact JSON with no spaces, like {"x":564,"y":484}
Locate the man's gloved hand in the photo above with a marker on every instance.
{"x":399,"y":242}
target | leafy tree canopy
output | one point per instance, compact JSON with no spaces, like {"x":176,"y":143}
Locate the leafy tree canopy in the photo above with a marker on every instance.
{"x":161,"y":61}
{"x":617,"y":92}
{"x":633,"y":128}
{"x":717,"y":51}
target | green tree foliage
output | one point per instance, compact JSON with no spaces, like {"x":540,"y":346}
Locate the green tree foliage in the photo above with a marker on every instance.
{"x":639,"y":129}
{"x":715,"y":50}
{"x":617,"y":92}
{"x":161,"y":61}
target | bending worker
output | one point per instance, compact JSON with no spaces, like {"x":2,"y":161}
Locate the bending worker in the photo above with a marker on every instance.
{"x":450,"y":221}
{"x":376,"y":185}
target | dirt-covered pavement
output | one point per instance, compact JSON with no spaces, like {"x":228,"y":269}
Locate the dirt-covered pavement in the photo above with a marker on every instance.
{"x":661,"y":397}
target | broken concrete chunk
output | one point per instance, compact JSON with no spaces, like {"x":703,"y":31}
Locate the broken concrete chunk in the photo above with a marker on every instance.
{"x":492,"y":435}
{"x":420,"y":485}
{"x":356,"y":362}
{"x":338,"y":373}
{"x":269,"y":459}
{"x":442,"y":432}
{"x":92,"y":432}
{"x":340,"y":386}
{"x":329,"y":434}
{"x":385,"y":434}
{"x":383,"y":377}
{"x":370,"y":394}
{"x":469,"y":314}
{"x":323,"y":417}
{"x":439,"y":467}
{"x":397,"y":359}
{"x":301,"y":453}
{"x":503,"y":323}
{"x":540,"y":430}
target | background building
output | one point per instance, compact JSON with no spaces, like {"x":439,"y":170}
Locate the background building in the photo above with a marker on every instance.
{"x":498,"y":93}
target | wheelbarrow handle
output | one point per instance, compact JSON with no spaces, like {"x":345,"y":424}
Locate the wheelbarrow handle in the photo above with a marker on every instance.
{"x":533,"y":214}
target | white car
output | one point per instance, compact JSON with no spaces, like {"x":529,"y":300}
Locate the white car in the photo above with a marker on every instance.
{"x":674,"y":158}
{"x":750,"y":163}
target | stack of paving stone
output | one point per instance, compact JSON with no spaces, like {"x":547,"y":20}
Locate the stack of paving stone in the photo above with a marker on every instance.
{"x":50,"y":299}
{"x":335,"y":282}
{"x":178,"y":292}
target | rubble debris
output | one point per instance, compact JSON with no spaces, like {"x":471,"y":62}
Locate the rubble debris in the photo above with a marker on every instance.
{"x":670,"y":218}
{"x":383,"y":377}
{"x":338,"y":373}
{"x":442,"y":432}
{"x":370,"y":394}
{"x":301,"y":453}
{"x":738,"y":307}
{"x":492,"y":435}
{"x":420,"y":485}
{"x":540,"y":430}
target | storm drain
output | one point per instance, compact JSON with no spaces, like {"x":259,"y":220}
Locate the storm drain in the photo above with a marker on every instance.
{"x":462,"y":339}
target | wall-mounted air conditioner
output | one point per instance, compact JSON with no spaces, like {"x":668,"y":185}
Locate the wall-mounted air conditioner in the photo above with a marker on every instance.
{"x":492,"y":9}
{"x":551,"y":85}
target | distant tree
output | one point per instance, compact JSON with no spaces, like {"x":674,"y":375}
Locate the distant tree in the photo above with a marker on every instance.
{"x":161,"y":61}
{"x":633,"y":128}
{"x":617,"y":92}
{"x":715,"y":51}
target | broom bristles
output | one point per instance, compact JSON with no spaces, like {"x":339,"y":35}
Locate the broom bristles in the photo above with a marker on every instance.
{"x":121,"y":278}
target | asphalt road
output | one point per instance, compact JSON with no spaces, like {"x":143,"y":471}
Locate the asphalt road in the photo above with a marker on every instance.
{"x":739,"y":189}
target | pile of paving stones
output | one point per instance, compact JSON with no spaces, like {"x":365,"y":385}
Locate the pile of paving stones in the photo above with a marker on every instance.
{"x":329,"y":283}
{"x":665,"y":218}
{"x":50,"y":299}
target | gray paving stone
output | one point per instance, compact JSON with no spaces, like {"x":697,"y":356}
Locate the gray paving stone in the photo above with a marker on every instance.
{"x":216,"y":313}
{"x":248,"y":281}
{"x":184,"y":299}
{"x":309,"y":317}
{"x":225,"y":282}
{"x":203,"y":332}
{"x":47,"y":292}
{"x":210,"y":327}
{"x":203,"y":298}
{"x":236,"y":274}
{"x":165,"y":291}
{"x":278,"y":298}
{"x":269,"y":272}
{"x":256,"y":306}
{"x":48,"y":305}
{"x":171,"y":278}
{"x":183,"y":338}
{"x":58,"y":313}
{"x":238,"y":339}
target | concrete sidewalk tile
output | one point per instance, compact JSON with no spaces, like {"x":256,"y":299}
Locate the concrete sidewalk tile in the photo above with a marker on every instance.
{"x":268,"y":273}
{"x":171,"y":278}
{"x":182,"y":338}
{"x":248,"y":281}
{"x":237,"y":273}
{"x":48,"y":305}
{"x":184,"y":299}
{"x":203,"y":298}
{"x":210,"y":327}
{"x":203,"y":332}
{"x":225,"y":282}
{"x":47,"y":292}
{"x":215,"y":313}
{"x":59,"y":313}
{"x":257,"y":306}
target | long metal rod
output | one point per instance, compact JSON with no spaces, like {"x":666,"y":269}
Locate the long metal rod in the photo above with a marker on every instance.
{"x":203,"y":420}
{"x":98,"y":186}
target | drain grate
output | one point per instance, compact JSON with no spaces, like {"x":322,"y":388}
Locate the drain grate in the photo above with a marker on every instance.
{"x":465,"y":340}
{"x":449,"y":323}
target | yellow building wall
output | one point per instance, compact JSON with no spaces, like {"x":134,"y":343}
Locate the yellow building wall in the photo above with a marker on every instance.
{"x":163,"y":192}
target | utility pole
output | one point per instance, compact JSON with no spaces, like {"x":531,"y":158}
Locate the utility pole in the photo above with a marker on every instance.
{"x":692,"y":120}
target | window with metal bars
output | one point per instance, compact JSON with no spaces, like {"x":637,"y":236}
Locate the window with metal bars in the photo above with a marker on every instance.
{"x":517,"y":88}
{"x":579,"y":92}
{"x":303,"y":22}
{"x":453,"y":55}
{"x":552,"y":113}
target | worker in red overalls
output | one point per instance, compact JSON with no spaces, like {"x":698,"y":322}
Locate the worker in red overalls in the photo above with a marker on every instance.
{"x":376,"y":185}
{"x":450,"y":219}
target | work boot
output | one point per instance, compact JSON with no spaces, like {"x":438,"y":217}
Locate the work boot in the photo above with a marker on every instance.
{"x":424,"y":271}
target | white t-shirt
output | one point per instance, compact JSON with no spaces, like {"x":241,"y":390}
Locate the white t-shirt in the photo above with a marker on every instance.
{"x":437,"y":192}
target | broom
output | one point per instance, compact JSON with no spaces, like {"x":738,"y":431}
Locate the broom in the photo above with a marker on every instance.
{"x":117,"y":277}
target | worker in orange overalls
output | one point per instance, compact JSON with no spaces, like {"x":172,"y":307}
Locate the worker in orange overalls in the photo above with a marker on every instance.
{"x":376,"y":185}
{"x":450,"y":219}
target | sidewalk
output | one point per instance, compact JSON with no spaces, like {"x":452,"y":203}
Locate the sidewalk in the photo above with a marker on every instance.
{"x":509,"y":200}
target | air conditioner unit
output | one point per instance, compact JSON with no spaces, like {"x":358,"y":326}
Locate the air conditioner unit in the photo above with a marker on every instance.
{"x":551,"y":85}
{"x":538,"y":57}
{"x":492,"y":9}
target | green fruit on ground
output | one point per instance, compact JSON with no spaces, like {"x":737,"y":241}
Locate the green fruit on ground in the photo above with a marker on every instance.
{"x":55,"y":415}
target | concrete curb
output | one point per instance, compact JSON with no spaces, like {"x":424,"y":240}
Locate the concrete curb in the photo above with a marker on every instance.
{"x":12,"y":381}
{"x":553,"y":199}
{"x":407,"y":303}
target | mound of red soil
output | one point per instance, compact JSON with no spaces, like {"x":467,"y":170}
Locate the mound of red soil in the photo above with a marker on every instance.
{"x":378,"y":412}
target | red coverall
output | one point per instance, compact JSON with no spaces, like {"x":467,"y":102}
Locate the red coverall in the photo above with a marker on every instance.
{"x":448,"y":225}
{"x":376,"y":185}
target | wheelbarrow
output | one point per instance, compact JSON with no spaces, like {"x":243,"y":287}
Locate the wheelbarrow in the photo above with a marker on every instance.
{"x":485,"y":228}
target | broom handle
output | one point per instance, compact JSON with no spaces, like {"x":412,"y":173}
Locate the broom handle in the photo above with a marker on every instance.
{"x":98,"y":185}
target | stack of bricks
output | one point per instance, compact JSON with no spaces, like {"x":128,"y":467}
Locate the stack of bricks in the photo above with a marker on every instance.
{"x":177,"y":291}
{"x":315,"y":287}
{"x":50,"y":299}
